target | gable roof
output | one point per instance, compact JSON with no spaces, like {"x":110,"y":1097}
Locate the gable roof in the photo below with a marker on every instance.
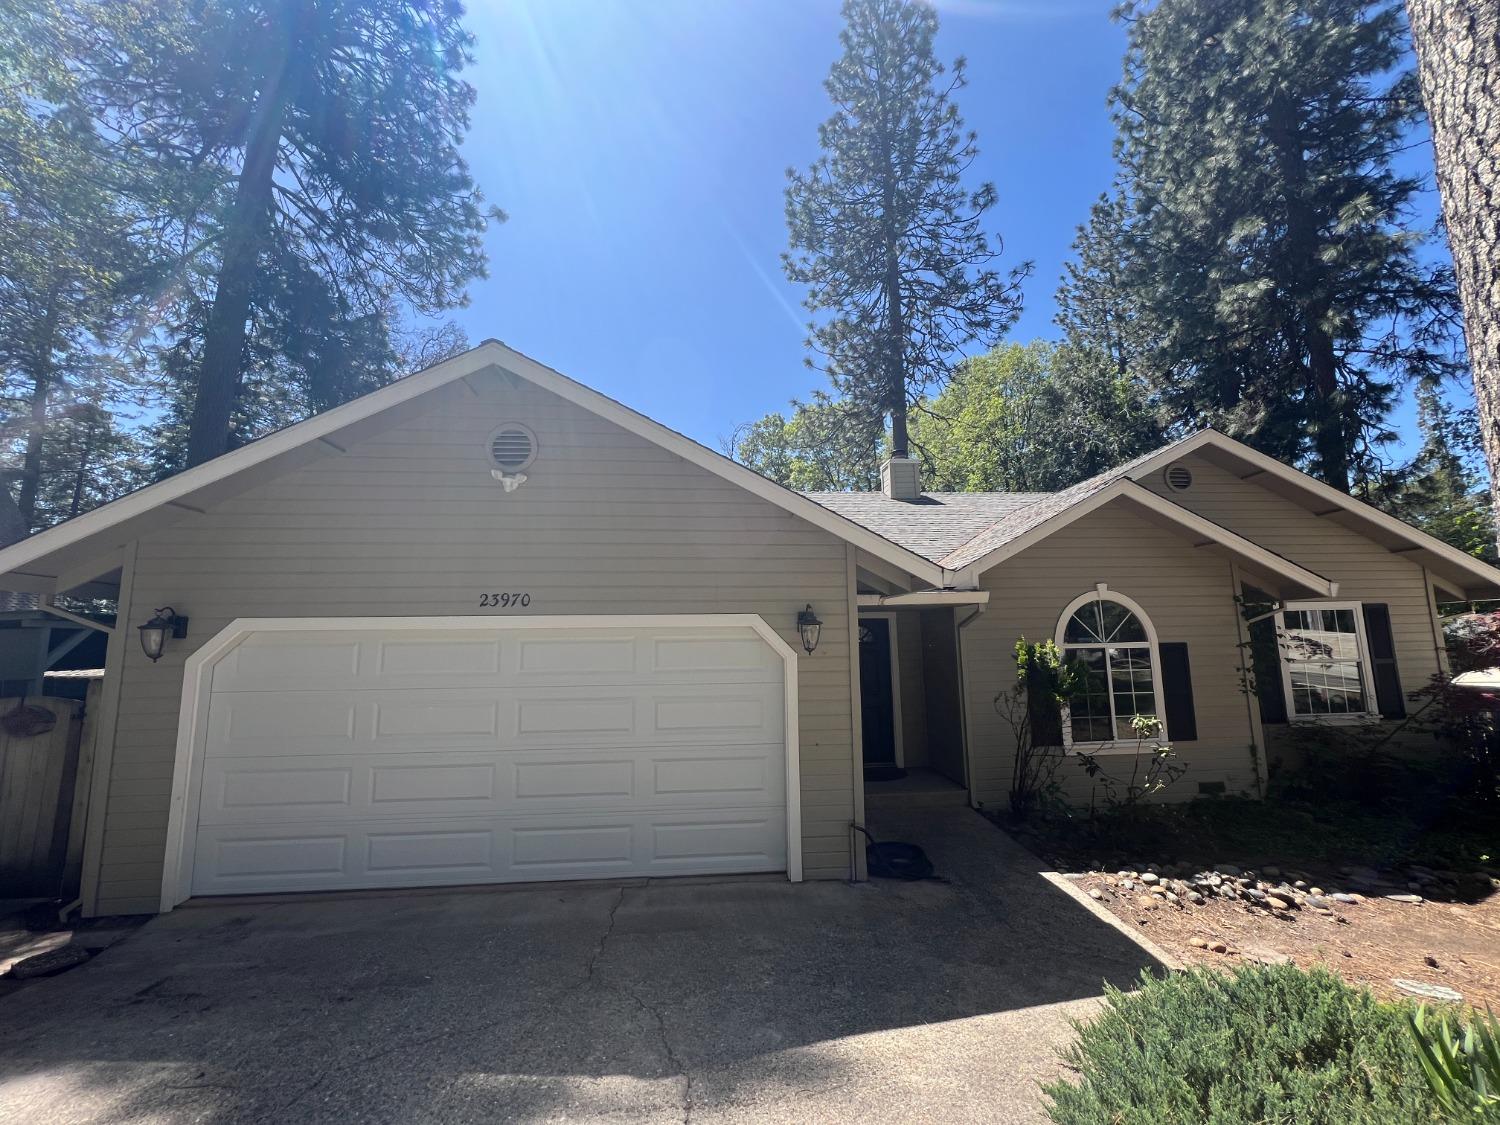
{"x":1454,"y":570}
{"x":86,"y":546}
{"x":1017,"y":523}
{"x":1021,"y":519}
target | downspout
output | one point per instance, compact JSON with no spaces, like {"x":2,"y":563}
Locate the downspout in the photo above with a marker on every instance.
{"x":963,"y":691}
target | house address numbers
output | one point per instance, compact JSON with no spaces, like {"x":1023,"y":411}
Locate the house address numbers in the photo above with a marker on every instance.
{"x":505,"y":601}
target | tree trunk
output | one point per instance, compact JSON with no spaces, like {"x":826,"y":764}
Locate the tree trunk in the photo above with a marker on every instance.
{"x":1458,"y":60}
{"x":249,"y":221}
{"x":895,"y":365}
{"x":1319,"y":357}
{"x":36,"y":426}
{"x":80,"y":474}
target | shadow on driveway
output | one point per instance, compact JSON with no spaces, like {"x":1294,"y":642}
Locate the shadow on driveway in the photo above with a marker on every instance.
{"x":663,"y":1001}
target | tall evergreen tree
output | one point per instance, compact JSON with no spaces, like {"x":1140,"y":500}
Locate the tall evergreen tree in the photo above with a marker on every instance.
{"x":1094,"y":307}
{"x":1269,"y":252}
{"x":1458,"y":52}
{"x":1442,"y":489}
{"x":71,"y":245}
{"x":305,"y":352}
{"x":337,"y":123}
{"x":883,"y":232}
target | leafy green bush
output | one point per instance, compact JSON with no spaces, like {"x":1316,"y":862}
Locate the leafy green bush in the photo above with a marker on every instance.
{"x":1461,"y":1063}
{"x":1264,"y":1045}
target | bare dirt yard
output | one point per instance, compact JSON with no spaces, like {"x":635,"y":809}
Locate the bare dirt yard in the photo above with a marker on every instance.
{"x":1366,"y":938}
{"x":1403,"y":900}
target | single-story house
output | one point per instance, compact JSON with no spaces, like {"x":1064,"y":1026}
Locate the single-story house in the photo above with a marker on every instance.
{"x":486,"y":624}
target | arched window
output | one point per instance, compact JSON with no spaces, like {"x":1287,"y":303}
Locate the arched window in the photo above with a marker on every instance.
{"x":1113,"y":639}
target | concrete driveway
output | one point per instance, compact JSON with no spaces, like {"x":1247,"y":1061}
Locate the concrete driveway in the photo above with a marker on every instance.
{"x":712,"y":1001}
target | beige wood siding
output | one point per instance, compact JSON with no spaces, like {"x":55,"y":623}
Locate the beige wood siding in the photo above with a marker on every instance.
{"x":1364,"y":570}
{"x":409,"y":522}
{"x":1187,"y":591}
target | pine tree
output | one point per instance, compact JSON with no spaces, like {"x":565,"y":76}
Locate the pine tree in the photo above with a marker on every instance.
{"x":889,"y":242}
{"x":1093,"y":302}
{"x":1269,"y":253}
{"x":71,"y":244}
{"x":1441,"y":490}
{"x":337,"y":125}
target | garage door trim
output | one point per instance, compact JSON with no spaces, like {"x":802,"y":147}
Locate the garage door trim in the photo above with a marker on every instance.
{"x":192,"y":727}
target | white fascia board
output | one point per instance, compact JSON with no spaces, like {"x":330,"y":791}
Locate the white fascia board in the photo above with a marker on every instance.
{"x":14,"y":558}
{"x":924,"y":598}
{"x":1190,"y":521}
{"x":1487,"y":576}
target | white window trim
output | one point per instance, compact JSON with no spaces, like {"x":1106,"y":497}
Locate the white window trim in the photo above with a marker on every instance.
{"x":1102,"y":592}
{"x":1371,"y":713}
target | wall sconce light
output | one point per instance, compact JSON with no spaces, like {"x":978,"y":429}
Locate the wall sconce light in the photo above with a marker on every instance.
{"x":810,"y":628}
{"x":154,"y":632}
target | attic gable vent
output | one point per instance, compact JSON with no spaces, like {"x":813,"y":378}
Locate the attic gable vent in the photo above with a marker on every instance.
{"x":512,"y":447}
{"x":1179,"y":477}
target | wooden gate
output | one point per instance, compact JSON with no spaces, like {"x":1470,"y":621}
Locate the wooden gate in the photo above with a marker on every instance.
{"x":43,"y":796}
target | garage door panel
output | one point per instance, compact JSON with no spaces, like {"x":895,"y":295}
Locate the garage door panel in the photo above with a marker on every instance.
{"x":300,"y":790}
{"x":409,"y":757}
{"x":338,"y":788}
{"x":431,"y":783}
{"x":452,"y":852}
{"x":287,"y":662}
{"x":418,"y":660}
{"x":275,"y":724}
{"x":311,"y":661}
{"x":547,"y":780}
{"x":694,"y":655}
{"x":270,"y":858}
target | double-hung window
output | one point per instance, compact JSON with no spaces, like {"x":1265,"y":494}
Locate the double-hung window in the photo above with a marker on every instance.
{"x":1325,"y":660}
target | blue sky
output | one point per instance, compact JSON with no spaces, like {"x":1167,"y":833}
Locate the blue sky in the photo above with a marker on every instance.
{"x":640,"y":148}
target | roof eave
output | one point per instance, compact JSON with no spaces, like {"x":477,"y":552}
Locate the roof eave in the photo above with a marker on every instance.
{"x":70,"y":541}
{"x":1462,"y":574}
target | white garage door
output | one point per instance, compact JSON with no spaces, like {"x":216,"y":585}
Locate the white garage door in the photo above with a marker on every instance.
{"x":406,"y":757}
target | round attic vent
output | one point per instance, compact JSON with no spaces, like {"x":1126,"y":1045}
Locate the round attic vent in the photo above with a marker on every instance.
{"x":1179,"y":477}
{"x":512,"y":447}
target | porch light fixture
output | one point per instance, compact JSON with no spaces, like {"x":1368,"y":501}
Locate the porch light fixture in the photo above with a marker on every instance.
{"x":810,"y":627}
{"x":154,"y":632}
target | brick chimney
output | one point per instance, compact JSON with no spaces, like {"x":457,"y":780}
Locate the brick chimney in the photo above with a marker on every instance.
{"x":901,"y":478}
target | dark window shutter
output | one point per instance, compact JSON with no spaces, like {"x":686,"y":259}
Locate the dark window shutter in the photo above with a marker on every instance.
{"x":1265,"y":660}
{"x":1177,"y":693}
{"x":1389,"y":697}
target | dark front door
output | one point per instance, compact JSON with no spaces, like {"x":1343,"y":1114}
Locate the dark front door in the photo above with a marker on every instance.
{"x":875,"y":687}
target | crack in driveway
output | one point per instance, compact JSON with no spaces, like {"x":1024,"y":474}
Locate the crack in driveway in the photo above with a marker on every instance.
{"x":673,"y":1061}
{"x":676,"y":1063}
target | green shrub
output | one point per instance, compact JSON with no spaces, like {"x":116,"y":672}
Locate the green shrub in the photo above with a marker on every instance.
{"x":1461,"y":1063}
{"x":1273,"y":1046}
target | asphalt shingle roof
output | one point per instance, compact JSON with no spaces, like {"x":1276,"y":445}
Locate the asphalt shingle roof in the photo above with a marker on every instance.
{"x":933,"y":526}
{"x":955,"y":529}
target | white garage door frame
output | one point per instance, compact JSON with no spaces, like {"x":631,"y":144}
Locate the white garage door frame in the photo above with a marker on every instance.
{"x":192,"y":724}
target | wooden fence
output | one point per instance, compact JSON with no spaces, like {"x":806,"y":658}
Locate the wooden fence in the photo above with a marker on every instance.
{"x":44,"y":781}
